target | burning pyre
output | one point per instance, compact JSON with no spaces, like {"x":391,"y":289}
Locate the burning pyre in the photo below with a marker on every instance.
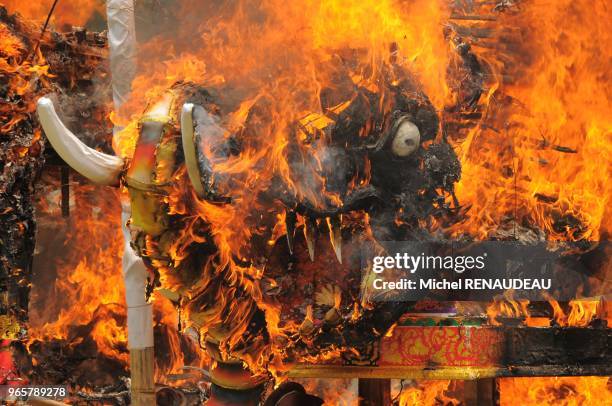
{"x":371,"y":122}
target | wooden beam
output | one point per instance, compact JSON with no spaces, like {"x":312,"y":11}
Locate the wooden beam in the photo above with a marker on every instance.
{"x":481,"y":392}
{"x":488,"y":391}
{"x":374,"y":392}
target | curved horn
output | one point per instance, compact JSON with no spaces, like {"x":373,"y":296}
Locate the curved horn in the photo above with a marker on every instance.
{"x":199,"y":168}
{"x":98,"y":167}
{"x":189,"y":148}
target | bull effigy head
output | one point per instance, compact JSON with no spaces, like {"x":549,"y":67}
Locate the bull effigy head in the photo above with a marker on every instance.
{"x":229,"y":207}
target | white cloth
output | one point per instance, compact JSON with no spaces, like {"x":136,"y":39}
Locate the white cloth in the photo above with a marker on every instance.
{"x":135,"y":273}
{"x":122,"y":44}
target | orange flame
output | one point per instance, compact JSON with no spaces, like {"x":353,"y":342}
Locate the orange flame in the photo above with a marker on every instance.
{"x":88,"y":274}
{"x":542,"y":161}
{"x":582,"y":312}
{"x":542,"y":155}
{"x":569,"y":391}
{"x":425,"y":393}
{"x":74,"y":12}
{"x":278,"y":67}
{"x":507,"y":307}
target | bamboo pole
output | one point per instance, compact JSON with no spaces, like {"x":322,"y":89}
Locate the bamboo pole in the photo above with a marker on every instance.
{"x":142,"y":370}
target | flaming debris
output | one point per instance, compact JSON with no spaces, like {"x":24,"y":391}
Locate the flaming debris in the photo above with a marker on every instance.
{"x":555,"y":391}
{"x":23,"y":78}
{"x":540,"y":157}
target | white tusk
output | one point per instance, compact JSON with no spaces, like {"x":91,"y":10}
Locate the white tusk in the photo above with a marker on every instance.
{"x":189,"y":148}
{"x":96,"y":166}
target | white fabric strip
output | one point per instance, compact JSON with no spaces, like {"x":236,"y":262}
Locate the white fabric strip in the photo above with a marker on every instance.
{"x":122,"y":43}
{"x":139,"y":313}
{"x":140,"y":327}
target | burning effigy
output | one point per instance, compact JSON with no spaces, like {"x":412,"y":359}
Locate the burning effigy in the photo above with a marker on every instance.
{"x":272,"y":178}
